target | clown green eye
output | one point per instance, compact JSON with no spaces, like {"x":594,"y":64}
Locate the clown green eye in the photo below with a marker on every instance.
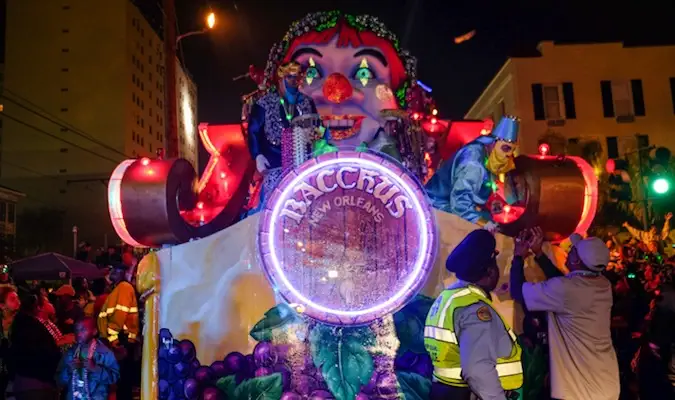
{"x":311,"y":74}
{"x":364,"y":74}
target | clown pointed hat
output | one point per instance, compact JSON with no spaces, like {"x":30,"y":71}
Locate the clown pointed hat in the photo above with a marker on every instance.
{"x":506,"y":130}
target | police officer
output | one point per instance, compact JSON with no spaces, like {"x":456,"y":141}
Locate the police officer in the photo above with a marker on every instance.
{"x":471,"y":346}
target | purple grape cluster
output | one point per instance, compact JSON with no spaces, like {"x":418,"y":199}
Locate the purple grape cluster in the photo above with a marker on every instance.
{"x":181,"y":376}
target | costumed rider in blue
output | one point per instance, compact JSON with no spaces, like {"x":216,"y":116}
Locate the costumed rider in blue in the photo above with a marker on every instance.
{"x":270,"y":117}
{"x":472,"y":347}
{"x":463,"y":184}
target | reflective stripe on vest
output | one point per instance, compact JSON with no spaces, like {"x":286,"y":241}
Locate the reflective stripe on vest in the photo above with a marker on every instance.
{"x":505,"y":369}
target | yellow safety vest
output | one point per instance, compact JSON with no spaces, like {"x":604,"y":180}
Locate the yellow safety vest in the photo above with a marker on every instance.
{"x":119,"y":314}
{"x":442,"y":343}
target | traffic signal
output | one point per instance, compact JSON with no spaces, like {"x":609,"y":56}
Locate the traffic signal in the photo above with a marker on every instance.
{"x":619,"y":180}
{"x":660,"y":177}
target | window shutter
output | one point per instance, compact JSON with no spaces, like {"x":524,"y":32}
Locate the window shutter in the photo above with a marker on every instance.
{"x":638,"y":97}
{"x":568,"y":97}
{"x":538,"y":102}
{"x":612,"y":147}
{"x":607,"y":101}
{"x":672,"y":92}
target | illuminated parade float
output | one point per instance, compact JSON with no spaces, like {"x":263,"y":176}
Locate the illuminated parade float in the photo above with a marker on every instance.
{"x":304,"y":261}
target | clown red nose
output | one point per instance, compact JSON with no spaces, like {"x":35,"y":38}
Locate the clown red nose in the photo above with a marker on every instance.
{"x":337,"y":88}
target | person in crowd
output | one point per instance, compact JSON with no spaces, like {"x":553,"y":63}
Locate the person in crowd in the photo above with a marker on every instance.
{"x":83,"y":295}
{"x":651,"y":239}
{"x":98,"y":289}
{"x":83,"y":251}
{"x":473,"y":349}
{"x":656,"y":362}
{"x":33,"y":353}
{"x":5,"y":279}
{"x":9,"y":306}
{"x":67,"y":311}
{"x":582,"y":360}
{"x":129,"y":261}
{"x":89,"y":368}
{"x":118,"y":324}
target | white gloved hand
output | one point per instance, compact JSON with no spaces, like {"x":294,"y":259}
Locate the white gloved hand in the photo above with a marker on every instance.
{"x":261,"y":163}
{"x":491,"y":227}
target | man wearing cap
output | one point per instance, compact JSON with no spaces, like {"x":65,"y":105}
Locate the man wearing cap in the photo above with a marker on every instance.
{"x":463,"y":185}
{"x":67,"y":311}
{"x":583,"y":361}
{"x":474,"y":351}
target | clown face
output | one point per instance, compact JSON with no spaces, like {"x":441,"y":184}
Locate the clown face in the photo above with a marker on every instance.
{"x":350,"y":86}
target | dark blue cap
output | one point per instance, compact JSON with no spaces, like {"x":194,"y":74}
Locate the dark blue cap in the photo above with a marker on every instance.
{"x":473,"y":256}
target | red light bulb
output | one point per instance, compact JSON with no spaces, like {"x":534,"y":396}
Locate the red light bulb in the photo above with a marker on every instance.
{"x":222,"y":175}
{"x":200,"y":205}
{"x":544,"y":149}
{"x":416,"y":116}
{"x":145,"y":161}
{"x":434,"y":120}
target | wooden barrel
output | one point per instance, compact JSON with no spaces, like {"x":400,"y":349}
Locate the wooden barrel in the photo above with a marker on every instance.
{"x":559,"y":193}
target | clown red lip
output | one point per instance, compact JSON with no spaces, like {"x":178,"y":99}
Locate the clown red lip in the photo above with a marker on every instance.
{"x":343,"y":126}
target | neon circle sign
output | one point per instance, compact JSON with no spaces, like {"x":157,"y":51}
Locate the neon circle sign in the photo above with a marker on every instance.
{"x":349,"y":237}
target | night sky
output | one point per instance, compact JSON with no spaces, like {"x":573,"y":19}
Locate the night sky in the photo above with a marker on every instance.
{"x":457,"y":73}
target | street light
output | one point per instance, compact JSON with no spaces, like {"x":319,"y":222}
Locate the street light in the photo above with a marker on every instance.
{"x":210,"y":23}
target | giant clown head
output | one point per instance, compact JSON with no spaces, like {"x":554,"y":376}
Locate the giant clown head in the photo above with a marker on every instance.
{"x":354,"y":69}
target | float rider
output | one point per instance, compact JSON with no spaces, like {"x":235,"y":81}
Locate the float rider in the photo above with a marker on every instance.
{"x":472,"y":347}
{"x":270,"y":116}
{"x":463,"y":184}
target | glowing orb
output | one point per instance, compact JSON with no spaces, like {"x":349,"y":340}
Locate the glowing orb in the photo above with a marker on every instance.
{"x":348,"y":236}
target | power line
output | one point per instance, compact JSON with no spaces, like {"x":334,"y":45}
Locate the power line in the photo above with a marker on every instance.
{"x":58,"y":138}
{"x":59,"y":122}
{"x":28,"y":170}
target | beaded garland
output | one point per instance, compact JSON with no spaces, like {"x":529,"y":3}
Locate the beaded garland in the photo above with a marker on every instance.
{"x":80,"y":379}
{"x":321,"y":21}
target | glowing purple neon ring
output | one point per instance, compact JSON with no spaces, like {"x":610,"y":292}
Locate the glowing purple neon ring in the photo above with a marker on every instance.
{"x":422,"y":215}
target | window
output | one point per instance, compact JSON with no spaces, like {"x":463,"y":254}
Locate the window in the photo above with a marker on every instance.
{"x":65,"y":30}
{"x":142,"y":86}
{"x":64,"y":109}
{"x":133,"y":78}
{"x":642,"y":141}
{"x":150,"y":111}
{"x":64,"y":89}
{"x":3,"y":212}
{"x":63,"y":171}
{"x":133,"y":59}
{"x":150,"y":59}
{"x":573,"y":141}
{"x":142,"y":142}
{"x":150,"y":76}
{"x":142,"y":32}
{"x":65,"y":7}
{"x":142,"y":52}
{"x":150,"y":147}
{"x":552,"y":102}
{"x":133,"y":22}
{"x":65,"y":50}
{"x":64,"y":129}
{"x":63,"y":150}
{"x":622,"y":99}
{"x":64,"y":69}
{"x":612,"y":147}
{"x":11,"y":213}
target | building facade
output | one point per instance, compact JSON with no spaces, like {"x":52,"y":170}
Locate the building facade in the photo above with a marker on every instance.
{"x":84,"y":89}
{"x":621,"y":97}
{"x":9,"y":198}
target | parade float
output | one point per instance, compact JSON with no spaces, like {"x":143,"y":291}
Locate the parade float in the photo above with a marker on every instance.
{"x":323,"y":290}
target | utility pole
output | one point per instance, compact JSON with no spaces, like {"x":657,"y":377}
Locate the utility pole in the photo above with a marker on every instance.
{"x":170,"y":100}
{"x":645,"y":190}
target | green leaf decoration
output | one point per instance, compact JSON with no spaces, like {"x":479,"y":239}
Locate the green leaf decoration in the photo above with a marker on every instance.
{"x":363,"y":147}
{"x":341,"y":355}
{"x":413,"y":386}
{"x":227,"y":385}
{"x":275,"y":318}
{"x":263,"y":388}
{"x":409,"y":322}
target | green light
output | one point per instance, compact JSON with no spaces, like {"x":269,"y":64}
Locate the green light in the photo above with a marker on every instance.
{"x":661,"y":186}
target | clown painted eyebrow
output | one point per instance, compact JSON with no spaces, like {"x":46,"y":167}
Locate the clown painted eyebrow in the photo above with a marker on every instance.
{"x":306,"y":50}
{"x":372,"y":53}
